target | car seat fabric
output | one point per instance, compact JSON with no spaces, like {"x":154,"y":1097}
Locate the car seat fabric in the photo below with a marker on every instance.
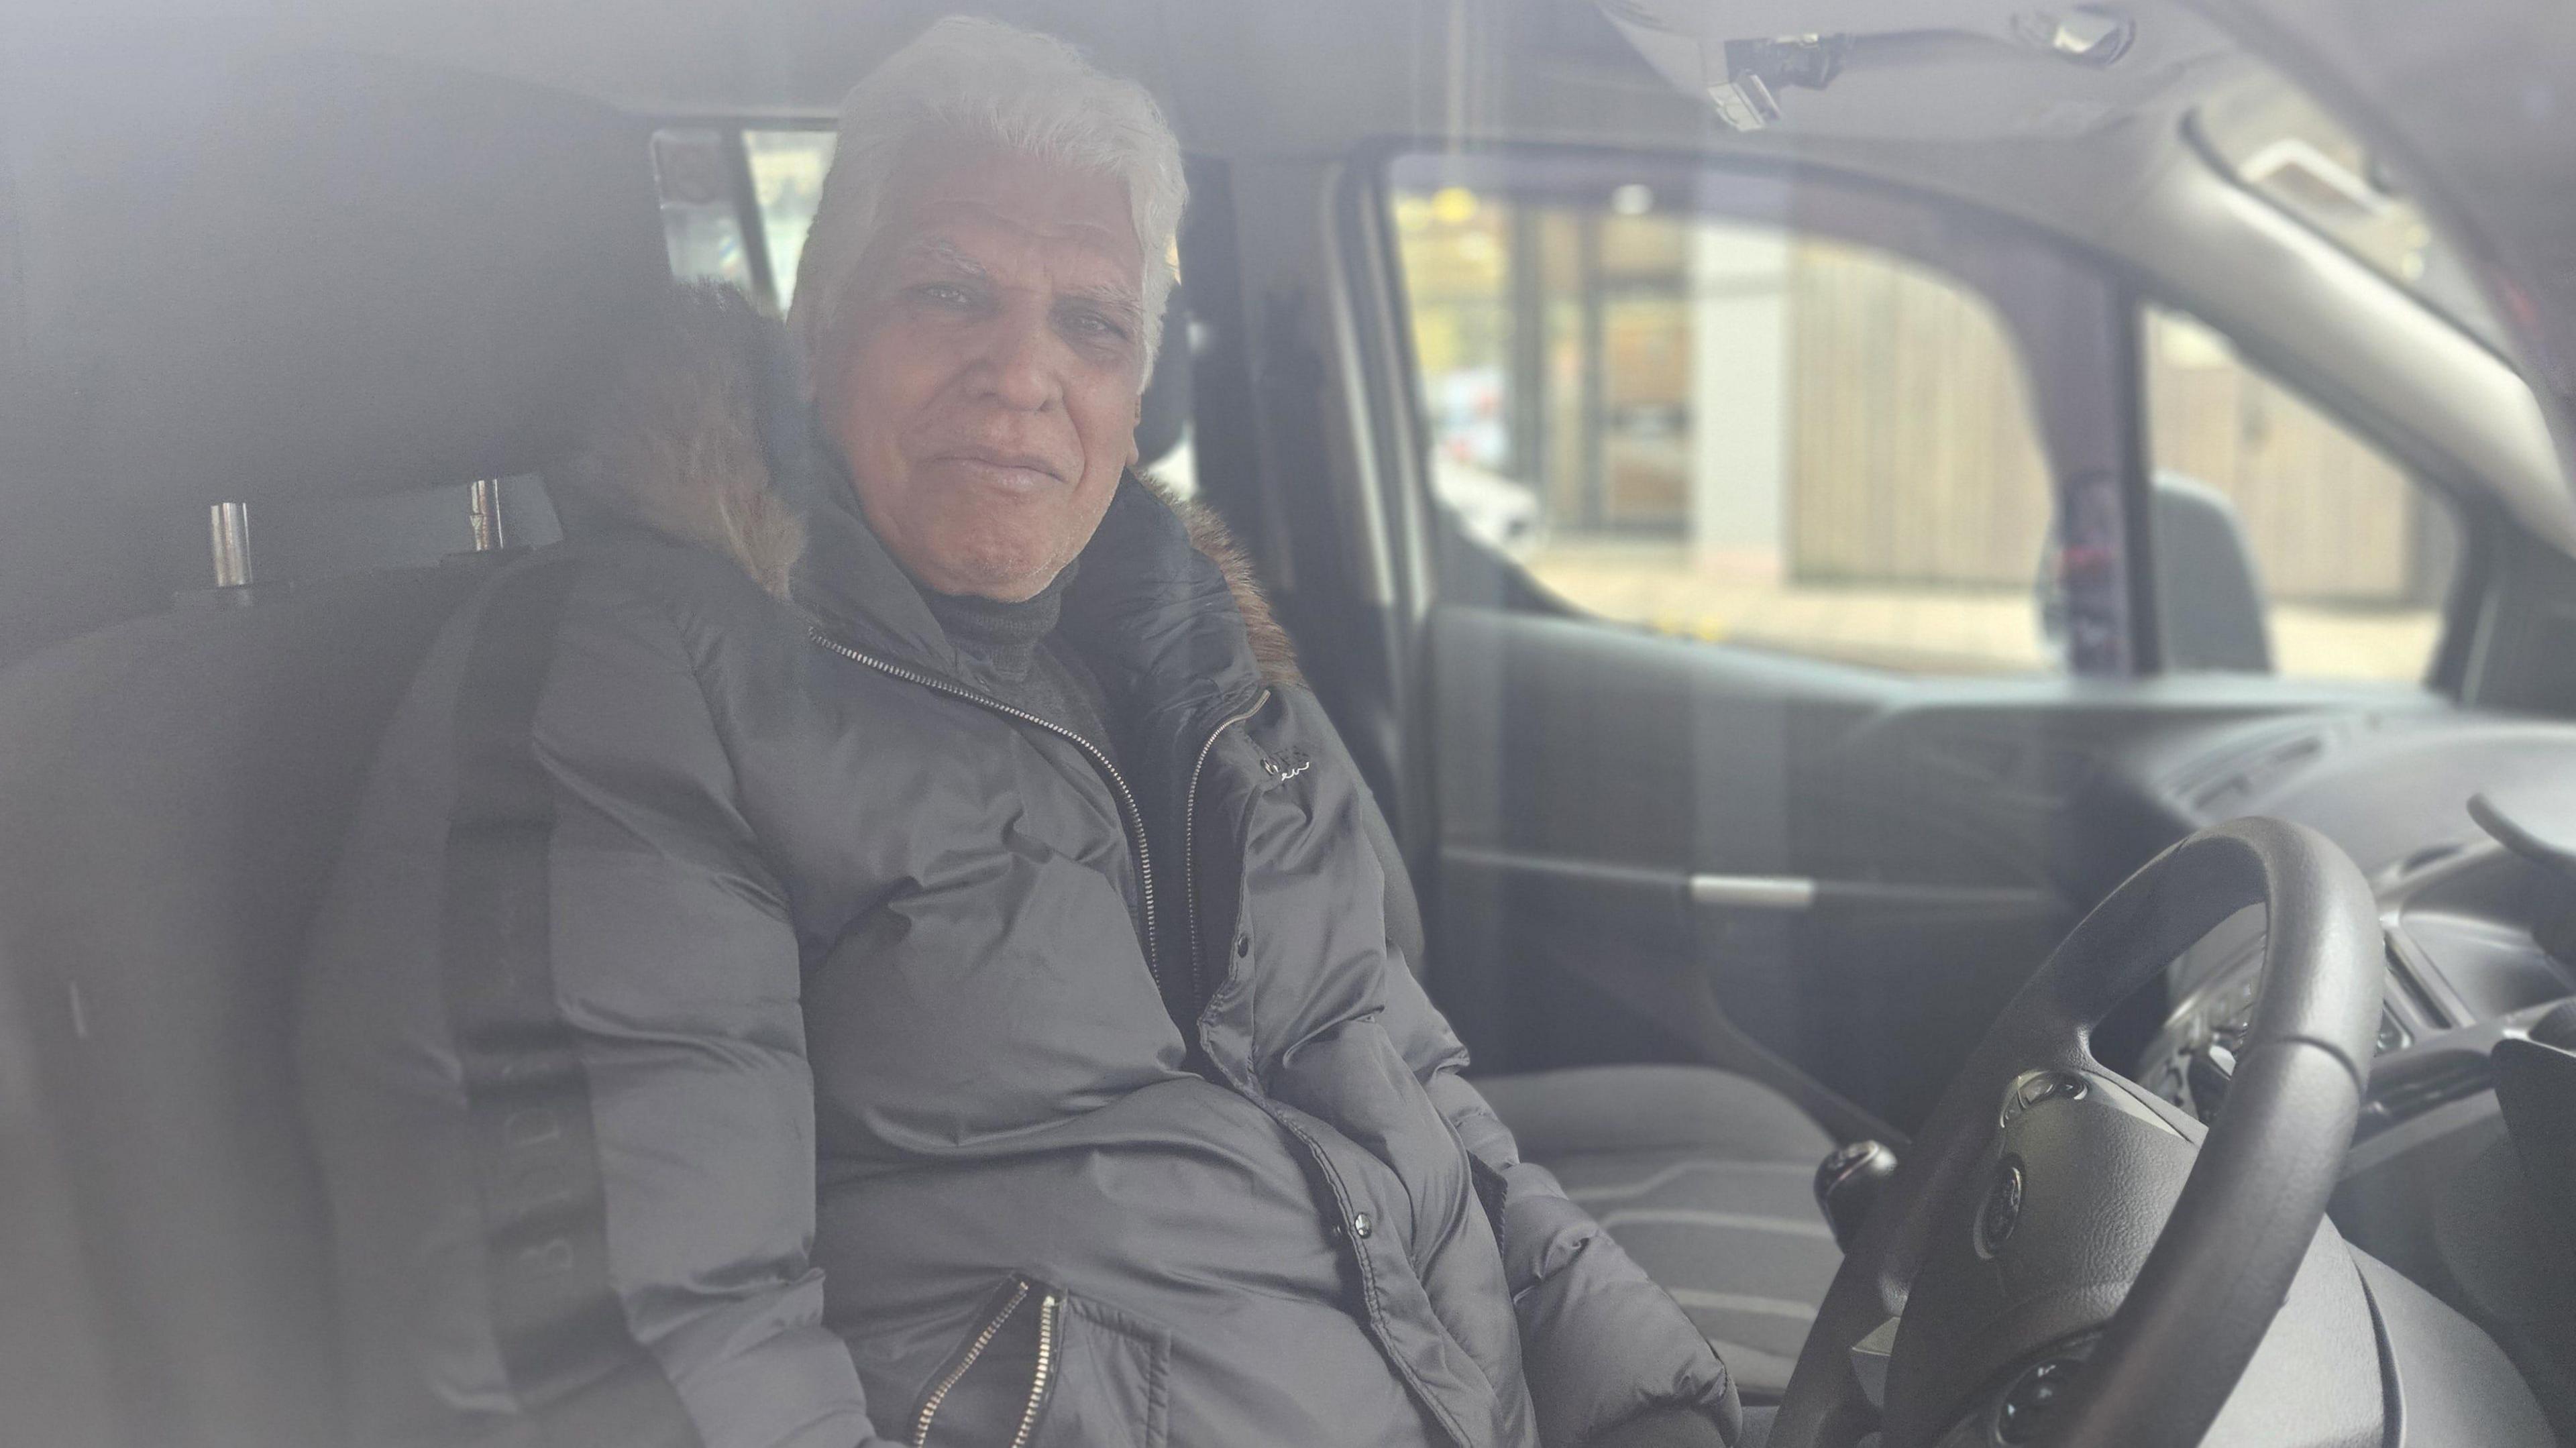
{"x":1705,"y":1177}
{"x":289,"y":278}
{"x":170,"y":801}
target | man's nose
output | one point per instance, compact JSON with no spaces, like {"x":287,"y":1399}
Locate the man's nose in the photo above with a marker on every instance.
{"x":1017,"y":369}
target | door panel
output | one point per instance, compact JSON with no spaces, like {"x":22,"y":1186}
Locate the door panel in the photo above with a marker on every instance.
{"x":1828,"y":877}
{"x":1747,"y":855}
{"x":1774,"y":464}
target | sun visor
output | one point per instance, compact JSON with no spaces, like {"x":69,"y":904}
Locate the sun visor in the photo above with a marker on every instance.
{"x":1919,"y":69}
{"x":294,"y":276}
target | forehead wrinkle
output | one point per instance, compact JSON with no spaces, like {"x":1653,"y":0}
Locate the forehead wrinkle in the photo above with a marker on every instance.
{"x":1123,"y":302}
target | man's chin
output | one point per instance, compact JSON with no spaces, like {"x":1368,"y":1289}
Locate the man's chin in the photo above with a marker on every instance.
{"x":1006,"y":578}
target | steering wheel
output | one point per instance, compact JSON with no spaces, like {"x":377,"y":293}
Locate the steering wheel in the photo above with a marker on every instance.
{"x":2064,"y":1258}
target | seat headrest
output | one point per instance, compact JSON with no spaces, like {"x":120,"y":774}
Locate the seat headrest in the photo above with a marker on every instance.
{"x":292,"y":276}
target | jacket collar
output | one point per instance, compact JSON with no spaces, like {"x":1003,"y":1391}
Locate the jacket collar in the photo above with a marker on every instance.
{"x":849,"y":584}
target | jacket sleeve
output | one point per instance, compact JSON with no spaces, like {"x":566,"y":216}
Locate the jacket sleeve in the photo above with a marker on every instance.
{"x":555,"y":1056}
{"x":1601,"y":1342}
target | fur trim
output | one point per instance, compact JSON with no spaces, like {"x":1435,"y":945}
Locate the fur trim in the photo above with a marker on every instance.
{"x":677,"y":447}
{"x":1209,"y":535}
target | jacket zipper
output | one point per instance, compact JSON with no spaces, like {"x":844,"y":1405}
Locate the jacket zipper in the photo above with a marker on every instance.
{"x":1041,"y":1378}
{"x":1190,"y":847}
{"x":975,"y":1347}
{"x":1048,"y":1308}
{"x":1129,"y":815}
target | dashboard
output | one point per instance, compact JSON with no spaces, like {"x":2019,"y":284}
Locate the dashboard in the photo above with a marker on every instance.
{"x":2466,"y":917}
{"x":2478,"y":914}
{"x":2464,"y":923}
{"x":2469,"y":922}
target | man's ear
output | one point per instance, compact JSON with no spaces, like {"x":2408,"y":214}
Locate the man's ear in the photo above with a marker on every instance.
{"x":1135,"y":419}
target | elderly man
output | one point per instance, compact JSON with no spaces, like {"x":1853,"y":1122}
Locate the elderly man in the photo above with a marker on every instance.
{"x":875,"y":943}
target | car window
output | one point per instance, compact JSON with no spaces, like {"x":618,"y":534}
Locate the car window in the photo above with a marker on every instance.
{"x":701,"y":223}
{"x":787,"y":183}
{"x":2350,"y":558}
{"x":1727,"y":429}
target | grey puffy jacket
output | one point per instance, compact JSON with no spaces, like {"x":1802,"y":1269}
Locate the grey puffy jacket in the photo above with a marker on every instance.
{"x":724,"y":1029}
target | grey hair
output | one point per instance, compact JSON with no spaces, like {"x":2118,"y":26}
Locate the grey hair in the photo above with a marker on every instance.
{"x":983,"y":80}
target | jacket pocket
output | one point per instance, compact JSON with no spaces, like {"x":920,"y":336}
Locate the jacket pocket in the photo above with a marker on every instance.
{"x":1040,"y":1368}
{"x":1113,"y":1387}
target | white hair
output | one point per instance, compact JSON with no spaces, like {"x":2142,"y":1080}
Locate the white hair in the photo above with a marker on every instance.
{"x":981,"y":80}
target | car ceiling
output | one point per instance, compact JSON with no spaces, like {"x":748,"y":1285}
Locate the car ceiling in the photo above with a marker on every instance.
{"x":1334,"y":72}
{"x":2086,"y":153}
{"x":2007,"y":126}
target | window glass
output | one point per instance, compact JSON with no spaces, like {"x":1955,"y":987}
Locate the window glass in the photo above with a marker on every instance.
{"x":700,"y":225}
{"x":787,"y":176}
{"x":1727,"y":429}
{"x":2350,"y":558}
{"x":2285,"y":148}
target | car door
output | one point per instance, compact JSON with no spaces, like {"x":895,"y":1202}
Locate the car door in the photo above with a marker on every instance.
{"x":1787,"y":620}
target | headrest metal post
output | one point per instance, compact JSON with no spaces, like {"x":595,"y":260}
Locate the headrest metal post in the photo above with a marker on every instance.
{"x":483,"y":500}
{"x":229,"y":524}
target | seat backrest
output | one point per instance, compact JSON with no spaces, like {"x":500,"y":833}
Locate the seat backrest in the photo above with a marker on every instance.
{"x":424,"y":279}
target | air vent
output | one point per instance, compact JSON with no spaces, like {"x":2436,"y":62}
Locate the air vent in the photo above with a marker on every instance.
{"x":2248,"y":777}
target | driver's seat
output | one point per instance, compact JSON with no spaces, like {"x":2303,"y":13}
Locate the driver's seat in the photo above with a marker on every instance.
{"x":298,"y":281}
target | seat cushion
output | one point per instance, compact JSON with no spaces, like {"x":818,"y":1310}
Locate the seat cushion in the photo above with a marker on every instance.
{"x":1706,"y":1178}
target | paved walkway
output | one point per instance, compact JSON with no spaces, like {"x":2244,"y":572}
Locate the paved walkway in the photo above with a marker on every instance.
{"x":1924,"y":629}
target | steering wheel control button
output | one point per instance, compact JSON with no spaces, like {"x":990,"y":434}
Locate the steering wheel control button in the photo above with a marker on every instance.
{"x":2002,"y":1209}
{"x":2041,"y":1087}
{"x":2027,"y":1403}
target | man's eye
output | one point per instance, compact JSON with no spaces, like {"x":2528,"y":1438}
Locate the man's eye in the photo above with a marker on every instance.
{"x":944,"y":295}
{"x":1092,"y":324}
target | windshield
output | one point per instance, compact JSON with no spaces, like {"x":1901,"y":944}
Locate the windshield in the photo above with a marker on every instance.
{"x":2284,"y":148}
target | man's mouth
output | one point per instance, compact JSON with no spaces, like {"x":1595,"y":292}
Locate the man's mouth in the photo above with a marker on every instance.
{"x":1003,"y":468}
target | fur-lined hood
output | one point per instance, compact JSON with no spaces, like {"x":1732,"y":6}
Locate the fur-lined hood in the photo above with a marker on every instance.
{"x":694,"y":439}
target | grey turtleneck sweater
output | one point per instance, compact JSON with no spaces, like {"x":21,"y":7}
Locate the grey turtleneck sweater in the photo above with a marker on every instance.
{"x":1010,"y":651}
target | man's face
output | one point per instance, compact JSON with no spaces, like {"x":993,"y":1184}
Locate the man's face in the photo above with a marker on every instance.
{"x":983,"y":382}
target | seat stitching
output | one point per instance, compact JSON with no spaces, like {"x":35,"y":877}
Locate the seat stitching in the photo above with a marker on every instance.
{"x":1678,"y":1170}
{"x":1683,"y":1216}
{"x":1742,"y":1302}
